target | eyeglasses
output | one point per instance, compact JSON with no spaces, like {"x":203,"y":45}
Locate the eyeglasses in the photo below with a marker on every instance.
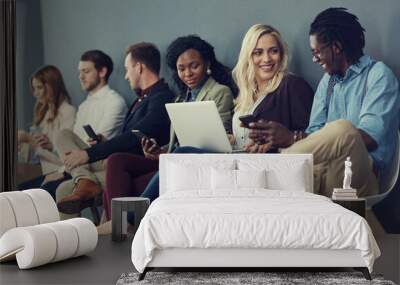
{"x":317,"y":52}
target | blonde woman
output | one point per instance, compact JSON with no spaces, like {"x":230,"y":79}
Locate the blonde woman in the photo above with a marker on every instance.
{"x":266,"y":89}
{"x":52,"y":113}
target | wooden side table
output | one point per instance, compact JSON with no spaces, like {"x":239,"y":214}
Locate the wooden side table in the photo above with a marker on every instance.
{"x":355,"y":205}
{"x":119,"y":209}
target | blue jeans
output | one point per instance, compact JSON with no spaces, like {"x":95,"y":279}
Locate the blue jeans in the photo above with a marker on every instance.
{"x":152,"y":189}
{"x":50,"y":187}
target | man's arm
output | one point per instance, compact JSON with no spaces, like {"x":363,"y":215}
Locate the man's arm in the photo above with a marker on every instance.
{"x":380,"y":106}
{"x":318,"y":116}
{"x":369,"y":142}
{"x":113,"y":118}
{"x":126,"y":142}
{"x":301,"y":97}
{"x":273,"y":133}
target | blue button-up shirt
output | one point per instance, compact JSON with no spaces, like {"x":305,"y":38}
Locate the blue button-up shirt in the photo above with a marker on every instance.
{"x":374,"y":109}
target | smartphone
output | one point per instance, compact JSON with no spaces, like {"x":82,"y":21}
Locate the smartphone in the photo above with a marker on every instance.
{"x":90,"y":132}
{"x":247,"y":119}
{"x":139,"y":134}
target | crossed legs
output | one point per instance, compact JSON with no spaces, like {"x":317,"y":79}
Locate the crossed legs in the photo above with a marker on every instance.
{"x":330,"y":146}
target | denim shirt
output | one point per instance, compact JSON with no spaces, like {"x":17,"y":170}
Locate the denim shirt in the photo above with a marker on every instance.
{"x":372,"y":106}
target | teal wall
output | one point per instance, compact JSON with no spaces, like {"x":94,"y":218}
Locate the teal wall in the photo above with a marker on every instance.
{"x":70,"y":27}
{"x":29,"y":56}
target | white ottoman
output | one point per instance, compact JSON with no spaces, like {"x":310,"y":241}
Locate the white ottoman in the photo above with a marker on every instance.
{"x":31,"y":232}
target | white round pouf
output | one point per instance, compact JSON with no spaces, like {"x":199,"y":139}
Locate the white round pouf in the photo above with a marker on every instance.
{"x":31,"y":232}
{"x":34,"y":246}
{"x":23,"y":208}
{"x":40,"y":244}
{"x":87,"y":234}
{"x":46,"y":208}
{"x":7,"y":217}
{"x":67,"y":240}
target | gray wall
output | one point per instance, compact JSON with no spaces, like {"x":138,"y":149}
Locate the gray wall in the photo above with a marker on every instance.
{"x":71,"y":27}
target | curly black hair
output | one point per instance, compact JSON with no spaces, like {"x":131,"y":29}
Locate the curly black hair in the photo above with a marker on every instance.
{"x":337,"y":25}
{"x":219,"y":72}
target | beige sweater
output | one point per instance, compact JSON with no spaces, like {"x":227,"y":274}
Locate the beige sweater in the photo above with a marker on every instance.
{"x":65,"y":119}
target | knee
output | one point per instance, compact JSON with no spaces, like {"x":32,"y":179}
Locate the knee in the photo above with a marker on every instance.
{"x":116,"y":160}
{"x":63,"y":135}
{"x":341,"y":128}
{"x":344,"y":133}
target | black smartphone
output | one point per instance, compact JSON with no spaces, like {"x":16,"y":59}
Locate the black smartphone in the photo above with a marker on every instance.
{"x":139,"y":134}
{"x":247,"y":119}
{"x":90,"y":132}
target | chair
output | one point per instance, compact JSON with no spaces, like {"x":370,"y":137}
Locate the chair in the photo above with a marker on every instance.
{"x":388,"y":180}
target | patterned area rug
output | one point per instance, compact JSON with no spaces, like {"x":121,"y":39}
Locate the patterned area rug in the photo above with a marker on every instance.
{"x":242,"y":278}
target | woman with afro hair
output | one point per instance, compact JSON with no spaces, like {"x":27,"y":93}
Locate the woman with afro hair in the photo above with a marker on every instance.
{"x":199,"y":76}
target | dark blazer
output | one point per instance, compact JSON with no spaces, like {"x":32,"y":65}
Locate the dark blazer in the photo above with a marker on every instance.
{"x":149,"y":116}
{"x":290,"y":104}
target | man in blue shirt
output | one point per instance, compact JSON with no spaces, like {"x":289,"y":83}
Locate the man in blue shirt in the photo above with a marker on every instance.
{"x":355,"y":111}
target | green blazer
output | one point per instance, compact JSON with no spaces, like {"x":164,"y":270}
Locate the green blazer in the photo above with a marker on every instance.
{"x":211,"y":91}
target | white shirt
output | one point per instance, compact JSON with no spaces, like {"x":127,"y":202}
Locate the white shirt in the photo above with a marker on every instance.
{"x":104,"y":111}
{"x":242,"y":134}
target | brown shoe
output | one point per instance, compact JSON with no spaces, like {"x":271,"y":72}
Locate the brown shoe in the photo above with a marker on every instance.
{"x":82,"y":197}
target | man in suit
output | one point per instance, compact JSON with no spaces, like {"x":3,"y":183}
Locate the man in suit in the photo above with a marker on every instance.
{"x":147,"y":114}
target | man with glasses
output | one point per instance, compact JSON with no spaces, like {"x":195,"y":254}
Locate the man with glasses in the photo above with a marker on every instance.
{"x":355,"y":111}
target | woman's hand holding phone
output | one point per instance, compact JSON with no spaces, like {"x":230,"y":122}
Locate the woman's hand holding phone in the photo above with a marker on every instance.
{"x":43,"y":141}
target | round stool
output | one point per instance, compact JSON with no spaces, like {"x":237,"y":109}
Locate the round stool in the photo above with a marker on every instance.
{"x":119,"y":209}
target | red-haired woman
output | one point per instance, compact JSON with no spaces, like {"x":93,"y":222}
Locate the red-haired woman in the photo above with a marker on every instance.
{"x":52,"y":113}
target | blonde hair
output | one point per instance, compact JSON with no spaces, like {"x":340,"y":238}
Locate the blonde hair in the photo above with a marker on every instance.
{"x":244,"y":74}
{"x":56,"y":93}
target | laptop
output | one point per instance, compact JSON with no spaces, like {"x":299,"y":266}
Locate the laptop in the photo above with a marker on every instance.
{"x":198,"y":124}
